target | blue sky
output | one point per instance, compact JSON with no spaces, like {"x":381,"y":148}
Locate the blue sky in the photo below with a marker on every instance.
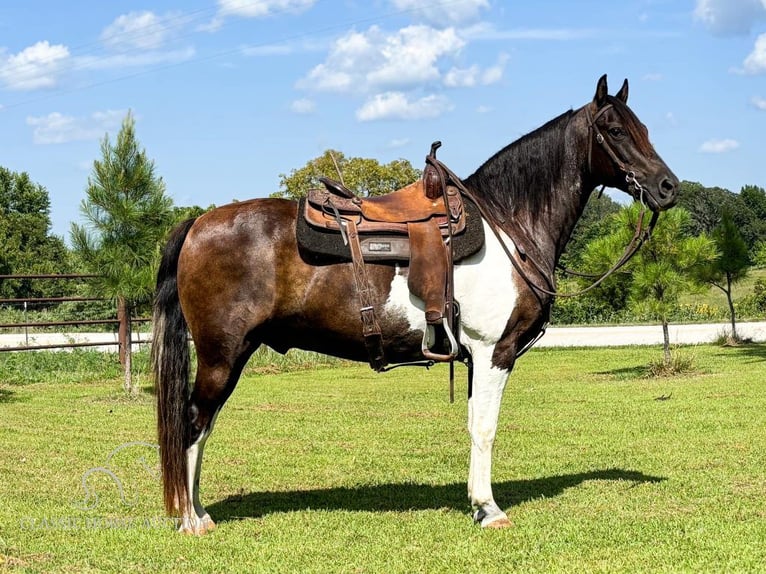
{"x":229,"y":94}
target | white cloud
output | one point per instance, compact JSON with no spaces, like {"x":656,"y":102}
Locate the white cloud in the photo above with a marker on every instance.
{"x":440,"y":12}
{"x":652,"y":77}
{"x":462,"y":78}
{"x":254,"y":9}
{"x":396,"y":105}
{"x":260,"y":8}
{"x":134,"y":59}
{"x":473,"y":76}
{"x":303,"y":106}
{"x":56,"y":128}
{"x":35,"y":67}
{"x":301,"y":46}
{"x":671,"y":119}
{"x":410,"y":57}
{"x":141,"y":30}
{"x":494,"y":74}
{"x":397,"y":143}
{"x":373,"y":60}
{"x":719,"y":146}
{"x":488,"y":31}
{"x":755,"y":63}
{"x":483,"y":109}
{"x":729,"y":17}
{"x":759,"y":102}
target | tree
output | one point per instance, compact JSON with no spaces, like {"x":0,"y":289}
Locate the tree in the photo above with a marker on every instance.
{"x":363,"y":176}
{"x":706,"y":204}
{"x":594,"y":222}
{"x":754,"y":197}
{"x":753,"y":230}
{"x":28,"y":246}
{"x":127,"y":213}
{"x":180,"y":214}
{"x":663,"y":269}
{"x":730,"y":265}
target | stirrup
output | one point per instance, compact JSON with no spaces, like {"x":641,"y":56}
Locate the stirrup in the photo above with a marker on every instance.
{"x":429,"y":336}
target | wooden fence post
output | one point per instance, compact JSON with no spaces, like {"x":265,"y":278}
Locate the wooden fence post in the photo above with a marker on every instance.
{"x":123,"y":330}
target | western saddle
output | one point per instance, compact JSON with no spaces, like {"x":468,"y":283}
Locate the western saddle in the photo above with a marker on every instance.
{"x":416,"y":223}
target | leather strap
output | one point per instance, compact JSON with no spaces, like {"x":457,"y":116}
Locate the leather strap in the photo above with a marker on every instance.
{"x":373,"y":339}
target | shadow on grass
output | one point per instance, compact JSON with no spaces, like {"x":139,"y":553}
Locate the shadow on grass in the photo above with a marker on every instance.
{"x":7,"y":396}
{"x":752,"y":352}
{"x":406,"y":497}
{"x":622,"y":373}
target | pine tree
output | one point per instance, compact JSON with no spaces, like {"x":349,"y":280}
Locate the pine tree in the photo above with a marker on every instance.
{"x":127,"y":213}
{"x":731,"y":265}
{"x":665,"y":267}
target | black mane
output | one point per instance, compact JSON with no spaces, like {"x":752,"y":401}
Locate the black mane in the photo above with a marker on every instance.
{"x":521,"y":176}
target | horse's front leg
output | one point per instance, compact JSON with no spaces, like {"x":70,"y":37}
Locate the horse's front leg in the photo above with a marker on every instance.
{"x":483,"y":412}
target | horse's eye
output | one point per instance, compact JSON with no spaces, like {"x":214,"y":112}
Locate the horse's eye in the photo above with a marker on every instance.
{"x":616,"y":132}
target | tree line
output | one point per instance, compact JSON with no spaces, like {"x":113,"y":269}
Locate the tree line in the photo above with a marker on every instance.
{"x":712,"y":237}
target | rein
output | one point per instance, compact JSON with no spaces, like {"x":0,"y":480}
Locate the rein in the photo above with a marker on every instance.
{"x":638,"y":239}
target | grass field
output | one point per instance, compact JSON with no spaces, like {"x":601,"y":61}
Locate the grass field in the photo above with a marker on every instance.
{"x":714,"y":297}
{"x":337,"y":469}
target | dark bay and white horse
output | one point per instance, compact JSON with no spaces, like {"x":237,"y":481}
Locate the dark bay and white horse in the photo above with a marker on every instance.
{"x":235,"y":279}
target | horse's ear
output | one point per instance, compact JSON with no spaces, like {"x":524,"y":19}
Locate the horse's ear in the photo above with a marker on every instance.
{"x":622,"y":95}
{"x":602,"y":91}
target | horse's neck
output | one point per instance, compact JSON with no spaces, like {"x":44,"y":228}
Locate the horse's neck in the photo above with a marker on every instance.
{"x":545,"y":233}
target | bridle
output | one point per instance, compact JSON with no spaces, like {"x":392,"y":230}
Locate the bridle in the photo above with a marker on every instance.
{"x":640,"y":235}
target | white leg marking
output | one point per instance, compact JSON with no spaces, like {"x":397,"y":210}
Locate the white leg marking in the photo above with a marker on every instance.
{"x":483,"y":413}
{"x":487,"y":294}
{"x":195,"y":518}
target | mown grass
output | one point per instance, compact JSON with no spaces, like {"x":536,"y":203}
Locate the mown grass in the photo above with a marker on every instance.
{"x":337,"y":469}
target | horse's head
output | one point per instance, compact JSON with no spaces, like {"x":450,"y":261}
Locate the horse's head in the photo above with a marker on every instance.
{"x":620,"y":154}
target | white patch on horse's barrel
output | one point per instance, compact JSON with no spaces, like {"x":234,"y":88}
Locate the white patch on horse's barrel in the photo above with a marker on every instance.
{"x":401,"y":302}
{"x":484,"y":288}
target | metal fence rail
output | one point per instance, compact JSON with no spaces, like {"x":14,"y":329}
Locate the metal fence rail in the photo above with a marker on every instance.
{"x":122,"y":322}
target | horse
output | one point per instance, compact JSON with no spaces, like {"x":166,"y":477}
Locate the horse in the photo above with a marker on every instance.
{"x":234,"y":279}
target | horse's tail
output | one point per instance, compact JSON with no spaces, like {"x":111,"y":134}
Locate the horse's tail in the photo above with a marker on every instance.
{"x":171,"y":365}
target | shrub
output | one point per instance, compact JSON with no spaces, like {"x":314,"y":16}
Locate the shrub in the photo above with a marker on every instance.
{"x":679,"y":364}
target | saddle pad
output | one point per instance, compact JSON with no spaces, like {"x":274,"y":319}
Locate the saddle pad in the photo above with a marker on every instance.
{"x":318,"y":246}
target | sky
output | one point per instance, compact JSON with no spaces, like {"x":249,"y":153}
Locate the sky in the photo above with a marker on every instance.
{"x":230,"y":94}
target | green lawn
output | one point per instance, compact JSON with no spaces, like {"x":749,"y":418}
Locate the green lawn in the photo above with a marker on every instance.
{"x":337,"y":469}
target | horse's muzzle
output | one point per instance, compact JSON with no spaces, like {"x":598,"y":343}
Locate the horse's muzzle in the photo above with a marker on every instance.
{"x":661,"y":194}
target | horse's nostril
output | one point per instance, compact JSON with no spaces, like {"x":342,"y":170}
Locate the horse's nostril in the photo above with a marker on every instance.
{"x":667,"y":186}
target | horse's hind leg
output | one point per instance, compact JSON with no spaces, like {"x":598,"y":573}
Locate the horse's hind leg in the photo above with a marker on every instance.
{"x":213,"y":385}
